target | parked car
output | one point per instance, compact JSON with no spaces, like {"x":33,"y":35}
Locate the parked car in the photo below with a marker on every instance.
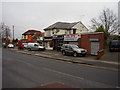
{"x":25,"y":45}
{"x":73,"y":50}
{"x":10,"y":45}
{"x":35,"y":46}
{"x":114,"y":45}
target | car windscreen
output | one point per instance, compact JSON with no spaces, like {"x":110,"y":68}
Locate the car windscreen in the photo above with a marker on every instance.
{"x":74,"y":46}
{"x":116,"y":42}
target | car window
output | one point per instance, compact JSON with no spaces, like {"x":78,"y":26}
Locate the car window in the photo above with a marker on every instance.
{"x":74,"y":46}
{"x":35,"y":44}
{"x":66,"y":46}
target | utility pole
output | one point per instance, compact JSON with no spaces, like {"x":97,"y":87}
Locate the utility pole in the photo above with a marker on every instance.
{"x":13,"y":32}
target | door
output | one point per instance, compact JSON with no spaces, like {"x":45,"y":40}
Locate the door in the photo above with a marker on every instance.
{"x":94,"y":48}
{"x":36,"y":47}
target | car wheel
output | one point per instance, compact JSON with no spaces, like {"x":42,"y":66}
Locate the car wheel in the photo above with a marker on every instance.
{"x":63,"y":53}
{"x":29,"y":49}
{"x":75,"y":54}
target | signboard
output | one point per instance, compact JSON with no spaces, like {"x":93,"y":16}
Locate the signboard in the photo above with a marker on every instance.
{"x":47,"y":39}
{"x":29,"y":38}
{"x":71,"y":37}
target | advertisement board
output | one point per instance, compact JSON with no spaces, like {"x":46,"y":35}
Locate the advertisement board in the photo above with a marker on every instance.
{"x":71,"y":37}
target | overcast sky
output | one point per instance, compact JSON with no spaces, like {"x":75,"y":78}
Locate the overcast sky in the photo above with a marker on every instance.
{"x":39,"y":15}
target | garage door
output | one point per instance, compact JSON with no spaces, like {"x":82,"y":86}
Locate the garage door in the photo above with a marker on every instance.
{"x":94,"y":48}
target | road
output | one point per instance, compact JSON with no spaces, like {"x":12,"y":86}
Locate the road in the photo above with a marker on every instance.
{"x":26,"y":71}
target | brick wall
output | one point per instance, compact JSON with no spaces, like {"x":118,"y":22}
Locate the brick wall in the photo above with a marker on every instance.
{"x":84,"y":41}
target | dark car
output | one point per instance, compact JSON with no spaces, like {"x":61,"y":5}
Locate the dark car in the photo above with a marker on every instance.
{"x":73,"y":50}
{"x":114,"y":45}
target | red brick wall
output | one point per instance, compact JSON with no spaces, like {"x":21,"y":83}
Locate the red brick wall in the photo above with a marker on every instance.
{"x":84,"y":41}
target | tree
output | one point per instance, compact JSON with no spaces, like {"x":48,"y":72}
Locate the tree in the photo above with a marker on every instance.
{"x":101,"y":29}
{"x":107,"y":19}
{"x":5,"y":31}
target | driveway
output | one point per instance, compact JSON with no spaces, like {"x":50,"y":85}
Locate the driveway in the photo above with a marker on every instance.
{"x":110,"y":56}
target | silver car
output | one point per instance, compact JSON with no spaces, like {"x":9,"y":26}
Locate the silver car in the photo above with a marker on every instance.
{"x":73,"y":50}
{"x":35,"y":46}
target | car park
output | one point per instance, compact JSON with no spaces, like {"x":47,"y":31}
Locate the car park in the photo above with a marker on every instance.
{"x":10,"y":45}
{"x":73,"y":49}
{"x":35,"y":46}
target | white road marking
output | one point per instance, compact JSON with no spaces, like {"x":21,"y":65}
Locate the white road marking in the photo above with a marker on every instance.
{"x":117,"y":87}
{"x":51,"y":70}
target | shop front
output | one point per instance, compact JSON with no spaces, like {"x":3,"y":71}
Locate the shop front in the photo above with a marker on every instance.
{"x":48,"y":43}
{"x":58,"y":42}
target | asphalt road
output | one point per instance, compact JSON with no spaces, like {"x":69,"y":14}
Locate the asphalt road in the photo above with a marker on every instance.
{"x":0,"y":68}
{"x":25,"y":71}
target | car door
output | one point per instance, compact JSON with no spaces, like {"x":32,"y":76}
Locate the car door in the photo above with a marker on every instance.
{"x":36,"y":47}
{"x":68,"y":49}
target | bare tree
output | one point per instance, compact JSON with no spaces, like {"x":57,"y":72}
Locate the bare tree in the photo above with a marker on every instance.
{"x":107,"y":19}
{"x":5,"y":31}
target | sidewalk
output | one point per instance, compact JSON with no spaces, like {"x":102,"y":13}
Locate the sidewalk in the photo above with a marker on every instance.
{"x":88,"y":60}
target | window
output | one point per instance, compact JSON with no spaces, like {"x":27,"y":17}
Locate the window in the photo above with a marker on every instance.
{"x":24,"y":37}
{"x":57,"y":30}
{"x":35,"y":45}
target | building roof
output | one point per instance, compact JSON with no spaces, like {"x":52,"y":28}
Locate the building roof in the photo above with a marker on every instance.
{"x":31,"y":32}
{"x":61,"y":25}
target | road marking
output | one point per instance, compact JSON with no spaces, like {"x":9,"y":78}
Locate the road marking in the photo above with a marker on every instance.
{"x":100,"y":67}
{"x":51,"y":70}
{"x":117,"y":87}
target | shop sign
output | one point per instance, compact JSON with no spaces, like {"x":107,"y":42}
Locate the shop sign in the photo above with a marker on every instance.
{"x":71,"y":37}
{"x":29,"y":38}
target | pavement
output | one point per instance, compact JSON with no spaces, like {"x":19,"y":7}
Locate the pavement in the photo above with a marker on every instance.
{"x":108,"y":61}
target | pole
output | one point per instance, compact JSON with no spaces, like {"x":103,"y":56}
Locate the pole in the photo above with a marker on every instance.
{"x":13,"y":32}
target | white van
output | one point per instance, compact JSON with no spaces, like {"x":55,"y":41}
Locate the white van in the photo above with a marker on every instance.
{"x":35,"y":46}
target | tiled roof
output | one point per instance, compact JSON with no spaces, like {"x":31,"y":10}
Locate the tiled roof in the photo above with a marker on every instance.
{"x":61,"y":25}
{"x":31,"y":32}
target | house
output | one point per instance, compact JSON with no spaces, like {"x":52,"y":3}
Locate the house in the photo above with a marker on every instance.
{"x":54,"y":34}
{"x":32,"y":36}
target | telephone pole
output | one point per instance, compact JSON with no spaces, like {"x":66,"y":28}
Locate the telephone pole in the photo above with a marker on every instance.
{"x":13,"y":32}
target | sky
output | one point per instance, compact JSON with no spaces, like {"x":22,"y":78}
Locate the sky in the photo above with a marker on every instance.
{"x":39,"y":15}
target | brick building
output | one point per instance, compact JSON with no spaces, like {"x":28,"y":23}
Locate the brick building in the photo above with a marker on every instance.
{"x":32,"y":36}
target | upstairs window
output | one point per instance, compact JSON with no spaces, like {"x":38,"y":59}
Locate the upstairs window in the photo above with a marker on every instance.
{"x":57,"y":30}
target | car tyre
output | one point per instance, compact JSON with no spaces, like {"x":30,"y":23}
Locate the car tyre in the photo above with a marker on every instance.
{"x":75,"y":54}
{"x":29,"y":49}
